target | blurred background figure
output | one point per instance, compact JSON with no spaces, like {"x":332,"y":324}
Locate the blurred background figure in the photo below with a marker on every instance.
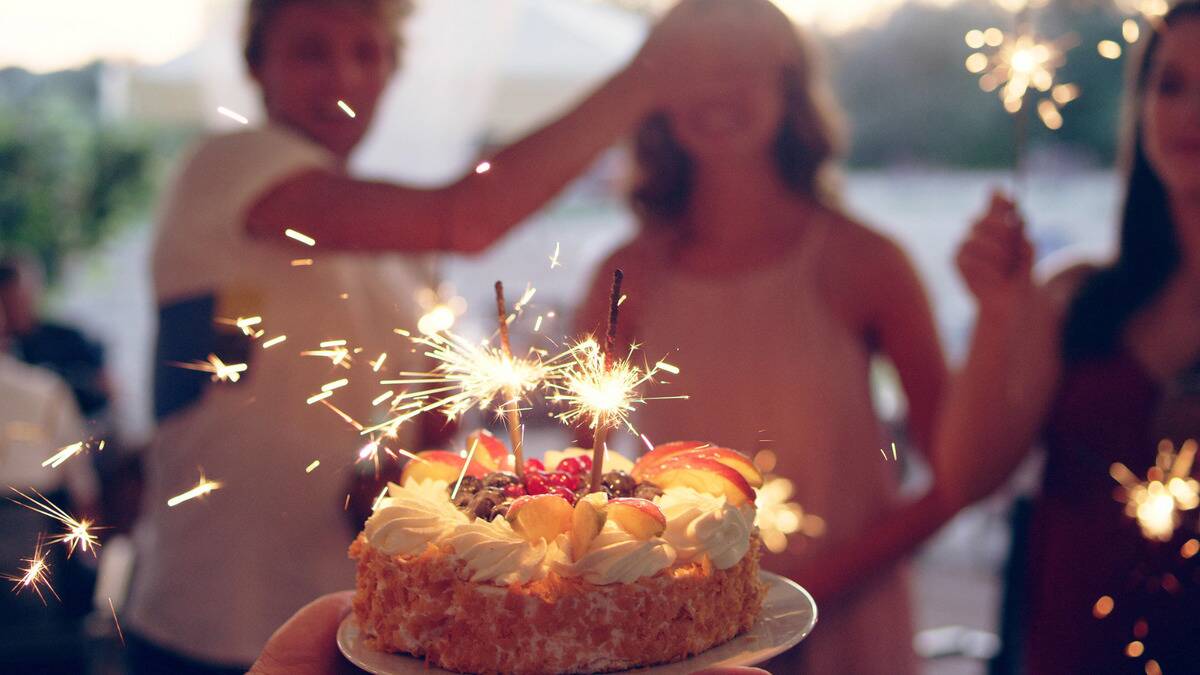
{"x":38,"y":416}
{"x":771,"y":301}
{"x":1098,"y":363}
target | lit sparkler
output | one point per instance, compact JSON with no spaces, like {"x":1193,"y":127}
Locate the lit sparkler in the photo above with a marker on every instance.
{"x":1014,"y":64}
{"x":221,"y":371}
{"x":777,"y":516}
{"x":35,"y":576}
{"x":202,"y":488}
{"x":1157,"y":503}
{"x":78,"y":532}
{"x":467,"y":375}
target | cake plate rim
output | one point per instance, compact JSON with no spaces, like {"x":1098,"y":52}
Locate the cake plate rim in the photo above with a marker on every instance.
{"x":789,"y":615}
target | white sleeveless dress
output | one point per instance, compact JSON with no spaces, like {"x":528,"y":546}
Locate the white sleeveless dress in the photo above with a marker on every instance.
{"x":768,"y":366}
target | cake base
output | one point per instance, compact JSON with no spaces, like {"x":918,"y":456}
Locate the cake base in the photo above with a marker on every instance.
{"x":421,"y":606}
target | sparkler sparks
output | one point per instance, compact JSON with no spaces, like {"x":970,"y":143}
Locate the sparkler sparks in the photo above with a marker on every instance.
{"x":78,"y":532}
{"x":35,"y":576}
{"x":471,"y":375}
{"x":221,"y":371}
{"x":1016,"y":63}
{"x":202,"y":488}
{"x":777,"y":516}
{"x":483,"y":167}
{"x":236,"y":117}
{"x":1157,"y":502}
{"x":63,"y":454}
{"x":597,"y":395}
{"x":554,"y":258}
{"x":346,"y":109}
{"x":300,"y":237}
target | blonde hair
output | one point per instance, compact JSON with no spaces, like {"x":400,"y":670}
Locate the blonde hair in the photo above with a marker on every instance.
{"x":261,"y":13}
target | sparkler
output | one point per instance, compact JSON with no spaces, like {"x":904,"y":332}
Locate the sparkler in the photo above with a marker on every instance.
{"x":1016,"y":64}
{"x":202,"y":488}
{"x":1157,"y":502}
{"x":35,"y":576}
{"x":511,"y":408}
{"x":472,"y":375}
{"x":221,"y":371}
{"x":78,"y":532}
{"x":777,"y":516}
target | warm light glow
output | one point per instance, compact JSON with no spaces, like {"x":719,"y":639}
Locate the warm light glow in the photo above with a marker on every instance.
{"x":1109,"y":49}
{"x":776,"y":516}
{"x":78,"y":532}
{"x":1130,"y":31}
{"x":1157,"y":502}
{"x":1103,"y":607}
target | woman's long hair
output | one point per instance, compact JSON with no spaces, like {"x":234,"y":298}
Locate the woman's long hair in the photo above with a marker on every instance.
{"x":805,"y":145}
{"x":1148,"y":253}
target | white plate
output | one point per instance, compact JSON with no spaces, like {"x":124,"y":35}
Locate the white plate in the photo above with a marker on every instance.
{"x":787,"y":617}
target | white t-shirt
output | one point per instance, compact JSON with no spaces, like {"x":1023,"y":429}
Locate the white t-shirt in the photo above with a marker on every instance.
{"x":38,"y":416}
{"x":215,"y":577}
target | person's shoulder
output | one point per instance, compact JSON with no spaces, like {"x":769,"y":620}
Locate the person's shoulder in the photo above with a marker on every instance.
{"x":35,"y":383}
{"x":258,"y":143}
{"x":1060,"y":277}
{"x":862,"y":249}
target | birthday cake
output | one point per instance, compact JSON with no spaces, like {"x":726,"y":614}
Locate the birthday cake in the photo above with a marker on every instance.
{"x":475,"y":569}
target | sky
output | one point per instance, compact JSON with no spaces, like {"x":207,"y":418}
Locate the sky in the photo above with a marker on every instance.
{"x":47,"y":35}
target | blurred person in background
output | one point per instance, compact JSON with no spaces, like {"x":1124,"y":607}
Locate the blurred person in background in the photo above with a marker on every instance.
{"x":38,"y":416}
{"x":772,"y":301}
{"x":214,"y":578}
{"x":1096,"y":364}
{"x":75,"y":357}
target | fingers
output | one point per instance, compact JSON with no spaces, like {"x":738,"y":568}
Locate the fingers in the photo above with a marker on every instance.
{"x":307,"y":643}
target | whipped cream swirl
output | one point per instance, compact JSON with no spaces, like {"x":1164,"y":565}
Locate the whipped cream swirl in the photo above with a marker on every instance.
{"x":495,"y":554}
{"x":614,"y":556}
{"x":703,"y":524}
{"x":412,"y":517}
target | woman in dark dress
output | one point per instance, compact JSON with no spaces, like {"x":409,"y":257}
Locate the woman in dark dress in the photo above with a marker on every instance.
{"x":1097,"y":365}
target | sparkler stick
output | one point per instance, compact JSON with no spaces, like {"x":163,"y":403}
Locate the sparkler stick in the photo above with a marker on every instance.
{"x":600,"y":437}
{"x":511,"y":407}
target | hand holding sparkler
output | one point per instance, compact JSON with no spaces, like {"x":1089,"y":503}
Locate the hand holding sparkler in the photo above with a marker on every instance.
{"x":996,"y":260}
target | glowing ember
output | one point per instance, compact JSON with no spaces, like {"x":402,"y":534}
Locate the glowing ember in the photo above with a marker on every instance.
{"x":274,"y":341}
{"x":202,"y":488}
{"x":315,"y":463}
{"x":302,"y":238}
{"x":1157,"y":502}
{"x":346,"y":109}
{"x":483,"y":167}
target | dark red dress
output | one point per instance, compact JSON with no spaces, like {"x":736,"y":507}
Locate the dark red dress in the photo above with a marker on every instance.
{"x":1082,"y":546}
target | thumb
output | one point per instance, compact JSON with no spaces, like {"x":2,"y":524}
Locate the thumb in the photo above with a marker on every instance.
{"x":307,"y":643}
